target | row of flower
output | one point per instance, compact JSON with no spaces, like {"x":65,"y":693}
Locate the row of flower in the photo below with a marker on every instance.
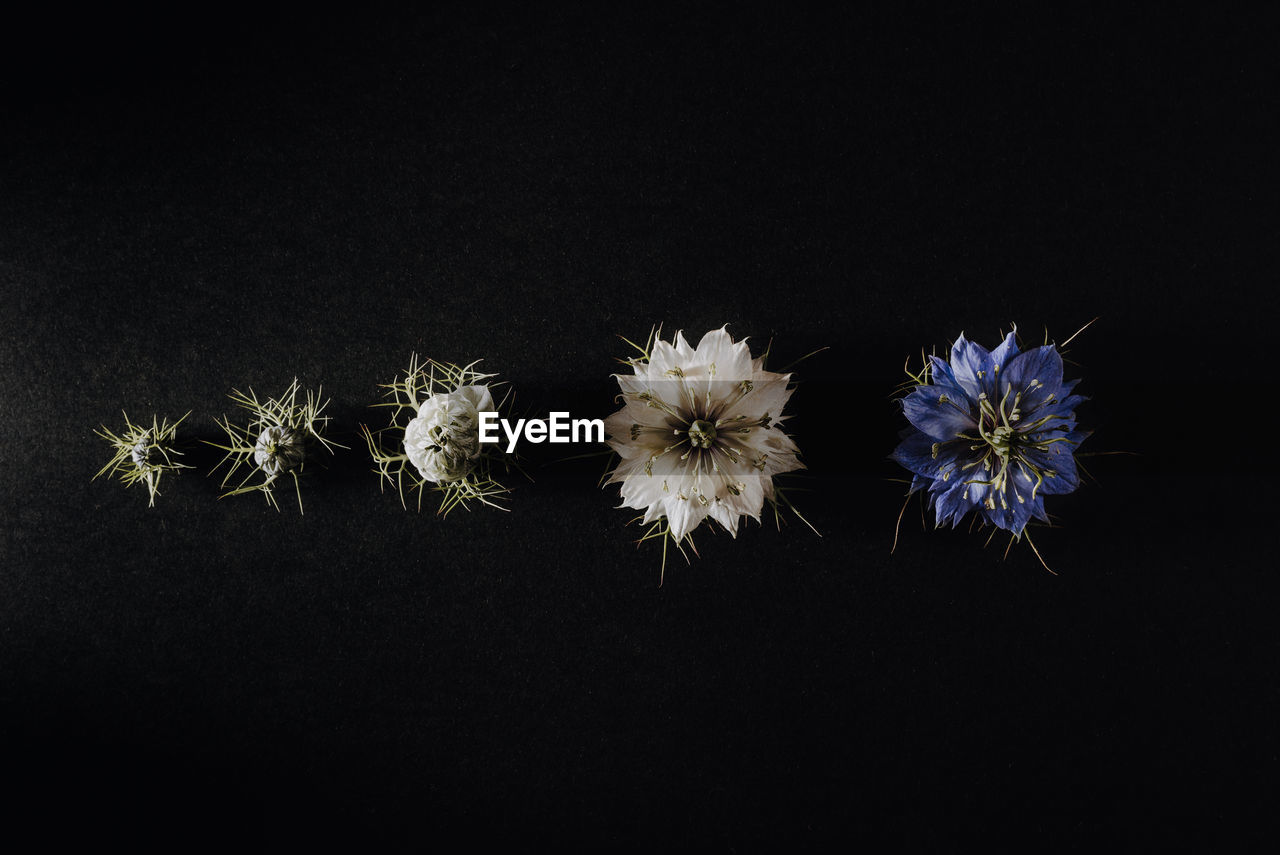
{"x":700,"y":436}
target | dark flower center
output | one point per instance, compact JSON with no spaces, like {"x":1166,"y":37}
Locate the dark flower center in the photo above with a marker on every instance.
{"x":702,"y":434}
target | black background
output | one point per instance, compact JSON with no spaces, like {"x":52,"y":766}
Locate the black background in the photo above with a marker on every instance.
{"x":188,"y":205}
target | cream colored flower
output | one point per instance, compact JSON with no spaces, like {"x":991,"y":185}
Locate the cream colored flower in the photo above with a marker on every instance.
{"x":700,"y":434}
{"x":443,"y":440}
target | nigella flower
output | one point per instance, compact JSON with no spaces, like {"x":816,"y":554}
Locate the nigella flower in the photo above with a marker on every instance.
{"x":443,"y":440}
{"x":143,"y":453}
{"x":992,"y":432}
{"x":439,"y":443}
{"x":282,"y":434}
{"x":699,"y":435}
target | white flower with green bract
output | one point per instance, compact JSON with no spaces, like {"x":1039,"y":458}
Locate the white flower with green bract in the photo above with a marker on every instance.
{"x":143,"y":453}
{"x":443,"y":439}
{"x":281,"y":436}
{"x":700,"y":436}
{"x":433,"y":441}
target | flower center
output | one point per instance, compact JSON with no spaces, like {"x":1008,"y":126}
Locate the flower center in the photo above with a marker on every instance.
{"x":439,"y":439}
{"x":1001,"y":439}
{"x":996,"y":428}
{"x":702,"y":434}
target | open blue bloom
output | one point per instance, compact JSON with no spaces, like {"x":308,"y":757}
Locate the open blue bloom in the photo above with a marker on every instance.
{"x":992,"y":431}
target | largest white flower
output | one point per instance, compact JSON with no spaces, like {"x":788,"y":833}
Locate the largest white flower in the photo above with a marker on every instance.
{"x":700,"y":433}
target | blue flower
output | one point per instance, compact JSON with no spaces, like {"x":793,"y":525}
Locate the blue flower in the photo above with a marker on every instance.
{"x":993,"y":432}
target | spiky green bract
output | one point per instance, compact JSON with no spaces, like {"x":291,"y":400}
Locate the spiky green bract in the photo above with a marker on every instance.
{"x":143,"y":453}
{"x":280,"y":437}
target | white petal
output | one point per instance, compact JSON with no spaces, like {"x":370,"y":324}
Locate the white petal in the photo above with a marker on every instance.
{"x":656,"y":512}
{"x":633,"y":384}
{"x":767,"y":396}
{"x":478,"y":397}
{"x":721,"y":513}
{"x":643,"y":491}
{"x":683,"y":351}
{"x":732,"y":360}
{"x":750,"y":499}
{"x":684,"y":514}
{"x":430,"y":408}
{"x":619,"y":425}
{"x":662,"y":359}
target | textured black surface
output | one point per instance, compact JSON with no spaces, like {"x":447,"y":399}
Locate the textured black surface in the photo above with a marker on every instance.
{"x":188,"y":206}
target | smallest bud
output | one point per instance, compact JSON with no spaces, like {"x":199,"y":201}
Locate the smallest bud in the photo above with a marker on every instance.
{"x":142,"y":453}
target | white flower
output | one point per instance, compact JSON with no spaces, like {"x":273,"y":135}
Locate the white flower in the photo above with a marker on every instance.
{"x":437,"y":448}
{"x":699,"y":434}
{"x":443,"y":440}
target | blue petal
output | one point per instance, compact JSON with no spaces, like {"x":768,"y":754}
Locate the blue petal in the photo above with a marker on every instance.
{"x":956,"y":497}
{"x":952,"y":503}
{"x":1078,"y":436}
{"x":1060,"y":459}
{"x":1005,"y":351}
{"x":1061,"y":424}
{"x":915,"y":453}
{"x":941,"y":419}
{"x":940,"y":373}
{"x":971,"y":365}
{"x":1042,"y":364}
{"x":1064,"y":478}
{"x":1013,"y":516}
{"x":1067,"y":402}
